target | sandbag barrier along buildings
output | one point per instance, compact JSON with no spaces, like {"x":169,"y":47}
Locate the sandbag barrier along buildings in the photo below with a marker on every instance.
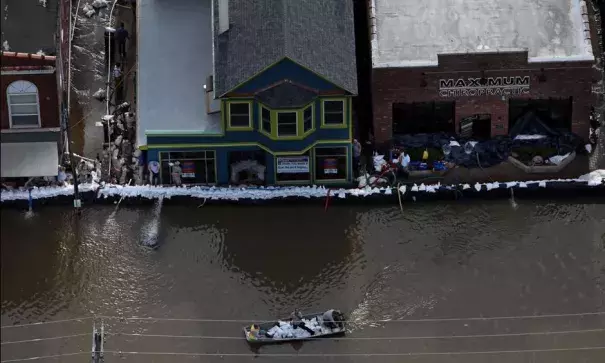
{"x":511,"y":57}
{"x":590,"y":185}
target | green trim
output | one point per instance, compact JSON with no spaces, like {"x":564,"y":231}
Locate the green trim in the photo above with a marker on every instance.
{"x":317,"y":74}
{"x":327,"y":181}
{"x":346,"y":117}
{"x":248,"y":144}
{"x":180,"y":133}
{"x":262,"y":107}
{"x":300,"y":112}
{"x":143,"y":147}
{"x":274,"y":64}
{"x":250,"y":126}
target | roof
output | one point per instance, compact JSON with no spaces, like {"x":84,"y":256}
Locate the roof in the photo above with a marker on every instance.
{"x":286,"y":95}
{"x":316,"y":34}
{"x":170,"y":78}
{"x":413,"y":33}
{"x":28,"y":26}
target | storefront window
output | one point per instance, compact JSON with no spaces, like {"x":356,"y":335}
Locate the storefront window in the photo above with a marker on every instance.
{"x":424,"y":117}
{"x":331,"y":163}
{"x":197,"y":167}
{"x":293,"y":168}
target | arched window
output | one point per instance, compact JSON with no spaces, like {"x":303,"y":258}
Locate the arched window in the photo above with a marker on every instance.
{"x":23,"y":105}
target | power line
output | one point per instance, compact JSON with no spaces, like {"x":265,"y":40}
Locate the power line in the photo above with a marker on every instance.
{"x":82,"y":319}
{"x":502,"y":335}
{"x":44,"y":339}
{"x":242,"y":321}
{"x":318,"y":355}
{"x":44,"y":357}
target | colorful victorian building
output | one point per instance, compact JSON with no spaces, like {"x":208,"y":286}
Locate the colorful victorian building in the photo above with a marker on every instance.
{"x":273,"y":81}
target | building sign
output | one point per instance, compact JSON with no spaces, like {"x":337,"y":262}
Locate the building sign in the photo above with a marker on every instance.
{"x":330,"y":166}
{"x":188,"y":169}
{"x":293,"y":165}
{"x":494,"y":86}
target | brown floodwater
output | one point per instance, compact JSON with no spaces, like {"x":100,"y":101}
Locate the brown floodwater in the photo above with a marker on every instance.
{"x":437,"y":264}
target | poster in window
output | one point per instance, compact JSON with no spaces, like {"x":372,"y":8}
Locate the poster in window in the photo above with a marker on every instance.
{"x":293,"y":165}
{"x":330,"y":166}
{"x":188,"y":168}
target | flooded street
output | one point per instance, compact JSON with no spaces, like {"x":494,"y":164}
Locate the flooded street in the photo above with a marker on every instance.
{"x":216,"y":269}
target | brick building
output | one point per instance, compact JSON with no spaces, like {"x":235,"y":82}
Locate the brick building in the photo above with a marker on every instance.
{"x":477,"y":69}
{"x":32,"y":79}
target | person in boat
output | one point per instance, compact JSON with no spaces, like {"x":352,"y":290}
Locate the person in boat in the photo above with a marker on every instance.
{"x":254,"y":332}
{"x":296,"y":321}
{"x":333,"y":319}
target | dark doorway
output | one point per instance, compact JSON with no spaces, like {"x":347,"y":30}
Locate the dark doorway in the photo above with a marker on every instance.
{"x":424,"y":117}
{"x":478,"y":127}
{"x":554,"y":112}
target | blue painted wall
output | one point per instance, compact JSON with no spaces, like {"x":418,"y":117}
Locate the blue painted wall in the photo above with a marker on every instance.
{"x":285,"y":69}
{"x":222,"y":157}
{"x":234,"y":137}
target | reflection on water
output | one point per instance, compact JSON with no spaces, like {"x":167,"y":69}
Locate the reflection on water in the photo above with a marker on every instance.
{"x":231,"y":263}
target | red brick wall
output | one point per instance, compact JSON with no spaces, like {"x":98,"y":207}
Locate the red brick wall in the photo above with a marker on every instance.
{"x":47,"y":95}
{"x":563,"y":80}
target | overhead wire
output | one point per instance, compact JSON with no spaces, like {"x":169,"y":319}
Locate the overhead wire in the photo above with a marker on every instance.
{"x":245,"y":321}
{"x":502,"y":335}
{"x":317,"y":355}
{"x":34,"y":340}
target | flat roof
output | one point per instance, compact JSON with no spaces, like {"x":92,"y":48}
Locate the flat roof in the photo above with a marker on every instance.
{"x":408,"y":33}
{"x":28,"y":26}
{"x":174,"y":61}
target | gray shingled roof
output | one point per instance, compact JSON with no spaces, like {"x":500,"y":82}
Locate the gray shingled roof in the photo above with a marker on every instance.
{"x":317,"y":34}
{"x":286,"y":95}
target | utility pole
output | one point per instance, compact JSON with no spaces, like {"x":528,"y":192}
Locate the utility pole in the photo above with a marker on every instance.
{"x":98,"y":339}
{"x":72,"y":160}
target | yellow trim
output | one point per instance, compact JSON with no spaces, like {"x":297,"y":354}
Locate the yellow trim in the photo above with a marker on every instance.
{"x":252,"y":77}
{"x":275,"y":115}
{"x":215,"y":165}
{"x":300,"y":122}
{"x":260,"y":120}
{"x":169,"y":133}
{"x":345,"y":118}
{"x":248,"y":144}
{"x":350,"y":119}
{"x":293,"y":181}
{"x":143,"y":147}
{"x":250,"y":126}
{"x":347,"y":158}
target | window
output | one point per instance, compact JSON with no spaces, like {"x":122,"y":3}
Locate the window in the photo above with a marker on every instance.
{"x":308,"y":119}
{"x":265,"y":120}
{"x":423,"y":117}
{"x":239,"y":115}
{"x":293,"y":168}
{"x":333,"y":112}
{"x":331,"y":163}
{"x":287,"y":123}
{"x":23,"y":106}
{"x":198,"y":167}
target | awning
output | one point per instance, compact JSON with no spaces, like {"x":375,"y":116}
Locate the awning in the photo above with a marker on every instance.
{"x":29,"y":159}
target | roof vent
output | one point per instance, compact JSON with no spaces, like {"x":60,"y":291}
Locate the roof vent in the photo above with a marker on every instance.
{"x":223,"y":16}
